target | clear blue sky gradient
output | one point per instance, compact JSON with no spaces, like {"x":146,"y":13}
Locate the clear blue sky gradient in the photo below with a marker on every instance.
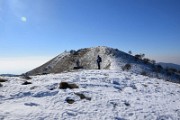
{"x":52,"y":26}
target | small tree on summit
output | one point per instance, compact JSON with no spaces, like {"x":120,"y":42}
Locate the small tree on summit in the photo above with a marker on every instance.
{"x":139,"y":56}
{"x":146,"y":60}
{"x":153,"y":62}
{"x":142,"y":55}
{"x":130,"y":52}
{"x":72,"y":51}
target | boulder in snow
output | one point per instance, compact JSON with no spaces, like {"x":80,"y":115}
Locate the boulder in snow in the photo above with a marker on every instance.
{"x":82,"y":96}
{"x":65,"y":85}
{"x":2,"y":80}
{"x":69,"y":100}
{"x":26,"y":83}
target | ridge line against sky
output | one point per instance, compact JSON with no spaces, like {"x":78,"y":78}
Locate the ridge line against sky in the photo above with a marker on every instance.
{"x":47,"y":28}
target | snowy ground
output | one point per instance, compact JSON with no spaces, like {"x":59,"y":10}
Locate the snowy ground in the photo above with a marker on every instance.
{"x":115,"y":95}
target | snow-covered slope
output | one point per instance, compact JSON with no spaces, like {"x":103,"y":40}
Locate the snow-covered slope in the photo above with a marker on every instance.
{"x":112,"y":59}
{"x":86,"y":57}
{"x":114,"y":95}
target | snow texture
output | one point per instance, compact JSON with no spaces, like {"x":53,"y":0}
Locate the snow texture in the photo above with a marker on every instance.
{"x":114,"y":95}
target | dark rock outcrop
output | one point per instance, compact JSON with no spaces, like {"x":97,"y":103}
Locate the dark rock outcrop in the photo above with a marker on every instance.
{"x":65,"y":85}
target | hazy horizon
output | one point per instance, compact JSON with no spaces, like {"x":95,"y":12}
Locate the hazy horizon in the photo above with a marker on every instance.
{"x":19,"y":65}
{"x":33,"y":32}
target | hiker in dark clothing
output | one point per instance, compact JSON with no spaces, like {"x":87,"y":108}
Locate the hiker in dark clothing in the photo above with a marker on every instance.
{"x":77,"y":63}
{"x":99,"y":60}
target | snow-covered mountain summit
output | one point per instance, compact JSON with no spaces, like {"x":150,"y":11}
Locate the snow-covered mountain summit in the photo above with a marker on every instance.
{"x":112,"y":59}
{"x":86,"y":57}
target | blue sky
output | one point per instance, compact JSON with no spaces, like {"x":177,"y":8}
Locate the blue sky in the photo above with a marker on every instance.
{"x":34,"y":31}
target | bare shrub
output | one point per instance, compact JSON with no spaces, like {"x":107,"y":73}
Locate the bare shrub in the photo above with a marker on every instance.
{"x":153,"y":62}
{"x":130,"y":52}
{"x":146,"y":60}
{"x":158,"y":68}
{"x":127,"y":67}
{"x":139,"y":56}
{"x":144,"y":73}
{"x":171,"y":71}
{"x":72,"y":51}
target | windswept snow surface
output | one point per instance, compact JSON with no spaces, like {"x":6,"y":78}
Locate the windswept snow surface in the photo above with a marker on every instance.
{"x":115,"y":95}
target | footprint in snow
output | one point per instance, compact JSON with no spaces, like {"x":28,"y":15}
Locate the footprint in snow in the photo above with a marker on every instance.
{"x":118,"y":118}
{"x":31,"y":104}
{"x":68,"y":114}
{"x":165,"y":117}
{"x":21,"y":95}
{"x":45,"y":94}
{"x":52,"y":87}
{"x":1,"y":96}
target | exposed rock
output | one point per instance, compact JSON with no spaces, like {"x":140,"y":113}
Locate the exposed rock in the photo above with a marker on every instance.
{"x":82,"y":96}
{"x":127,"y":103}
{"x":65,"y":85}
{"x":26,"y":83}
{"x":2,"y":80}
{"x":69,"y":100}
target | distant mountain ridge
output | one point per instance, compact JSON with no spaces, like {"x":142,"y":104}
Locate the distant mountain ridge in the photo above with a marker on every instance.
{"x":169,"y":65}
{"x":9,"y":75}
{"x":112,"y":59}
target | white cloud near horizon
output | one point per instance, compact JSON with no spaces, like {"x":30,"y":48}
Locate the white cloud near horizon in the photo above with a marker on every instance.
{"x":19,"y":65}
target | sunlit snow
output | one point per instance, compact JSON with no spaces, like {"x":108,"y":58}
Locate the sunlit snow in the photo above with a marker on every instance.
{"x":115,"y":95}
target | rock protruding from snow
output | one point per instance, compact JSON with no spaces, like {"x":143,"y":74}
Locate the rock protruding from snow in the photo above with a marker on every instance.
{"x":2,"y":80}
{"x":26,"y":83}
{"x":65,"y":85}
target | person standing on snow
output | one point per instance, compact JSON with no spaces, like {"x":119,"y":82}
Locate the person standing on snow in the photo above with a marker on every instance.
{"x":99,"y":60}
